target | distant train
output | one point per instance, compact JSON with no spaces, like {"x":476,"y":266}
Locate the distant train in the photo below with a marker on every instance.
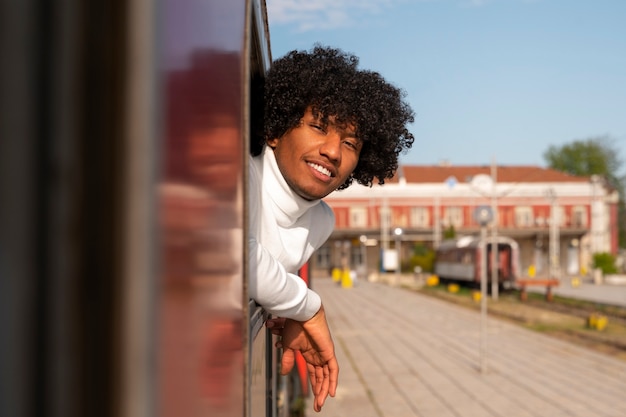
{"x":461,"y":259}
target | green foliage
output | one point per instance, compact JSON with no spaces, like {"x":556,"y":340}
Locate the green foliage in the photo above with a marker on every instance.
{"x":621,"y":221}
{"x":593,"y":156}
{"x":449,"y":233}
{"x":423,"y":257}
{"x":604,"y":261}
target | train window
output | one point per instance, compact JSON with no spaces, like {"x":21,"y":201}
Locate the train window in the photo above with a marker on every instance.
{"x":467,"y":258}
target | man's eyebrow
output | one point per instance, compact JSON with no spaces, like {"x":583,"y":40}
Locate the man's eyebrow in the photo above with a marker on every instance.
{"x":347,"y":131}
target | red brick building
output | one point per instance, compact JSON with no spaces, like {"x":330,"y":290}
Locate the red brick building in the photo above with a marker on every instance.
{"x":421,"y":202}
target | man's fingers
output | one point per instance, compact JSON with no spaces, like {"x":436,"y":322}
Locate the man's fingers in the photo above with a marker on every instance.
{"x":323,"y":394}
{"x":319,"y":379}
{"x":311,"y":372}
{"x":287,"y":361}
{"x":276,"y":331}
{"x":277,"y":323}
{"x":333,"y":376}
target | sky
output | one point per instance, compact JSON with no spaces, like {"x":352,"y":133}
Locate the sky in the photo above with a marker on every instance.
{"x":488,"y":80}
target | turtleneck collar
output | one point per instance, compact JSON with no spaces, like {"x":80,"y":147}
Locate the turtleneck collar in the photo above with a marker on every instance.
{"x":288,"y":206}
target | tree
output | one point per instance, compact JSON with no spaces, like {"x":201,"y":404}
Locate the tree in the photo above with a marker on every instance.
{"x":593,"y":156}
{"x":449,"y":233}
{"x":423,"y":257}
{"x":605,"y":262}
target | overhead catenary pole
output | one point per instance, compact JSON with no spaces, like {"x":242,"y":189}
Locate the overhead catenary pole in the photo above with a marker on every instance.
{"x":384,"y":224}
{"x":494,"y":231}
{"x":483,"y":297}
{"x":436,"y":223}
{"x":555,"y":257}
{"x":398,"y":247}
{"x":483,"y":215}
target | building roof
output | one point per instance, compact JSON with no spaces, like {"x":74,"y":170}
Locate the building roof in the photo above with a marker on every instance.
{"x":465,"y":173}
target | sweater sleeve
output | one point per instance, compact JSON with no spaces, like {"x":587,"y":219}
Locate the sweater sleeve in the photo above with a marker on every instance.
{"x":279,"y":292}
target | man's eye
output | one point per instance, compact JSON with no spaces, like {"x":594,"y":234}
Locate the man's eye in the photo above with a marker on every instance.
{"x":351,"y":144}
{"x":318,"y":127}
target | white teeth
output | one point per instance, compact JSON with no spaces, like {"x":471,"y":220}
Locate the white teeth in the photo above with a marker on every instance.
{"x":321,"y":169}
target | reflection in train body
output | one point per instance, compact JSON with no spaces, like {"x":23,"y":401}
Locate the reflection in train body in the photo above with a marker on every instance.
{"x":122,"y":223}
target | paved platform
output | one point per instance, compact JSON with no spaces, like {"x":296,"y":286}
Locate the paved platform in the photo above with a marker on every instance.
{"x":403,"y":354}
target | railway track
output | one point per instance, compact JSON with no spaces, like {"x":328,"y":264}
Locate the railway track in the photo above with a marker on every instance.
{"x":581,"y":309}
{"x":564,"y":318}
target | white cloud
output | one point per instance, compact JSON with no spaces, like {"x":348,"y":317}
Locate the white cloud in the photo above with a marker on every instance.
{"x":306,"y":15}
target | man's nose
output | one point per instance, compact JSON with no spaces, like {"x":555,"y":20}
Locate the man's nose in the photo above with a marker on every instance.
{"x":331,"y":147}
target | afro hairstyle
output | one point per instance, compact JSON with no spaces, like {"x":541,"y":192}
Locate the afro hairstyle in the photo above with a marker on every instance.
{"x":329,"y":81}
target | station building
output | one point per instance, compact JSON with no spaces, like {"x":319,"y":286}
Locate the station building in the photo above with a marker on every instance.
{"x":558,"y":220}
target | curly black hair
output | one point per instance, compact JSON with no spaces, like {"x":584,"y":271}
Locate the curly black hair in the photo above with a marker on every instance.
{"x":328,"y":80}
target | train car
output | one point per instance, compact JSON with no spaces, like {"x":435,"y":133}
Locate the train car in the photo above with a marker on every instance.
{"x":124,"y":136}
{"x":461,"y":259}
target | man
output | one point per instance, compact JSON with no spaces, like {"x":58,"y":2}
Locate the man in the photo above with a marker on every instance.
{"x":326,"y":124}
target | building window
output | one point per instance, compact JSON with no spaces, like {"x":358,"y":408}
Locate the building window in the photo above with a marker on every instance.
{"x":453,"y":216}
{"x":523,"y":216}
{"x":579,"y":216}
{"x":322,"y":257}
{"x":356,"y":256}
{"x":358,"y":217}
{"x":420,"y":217}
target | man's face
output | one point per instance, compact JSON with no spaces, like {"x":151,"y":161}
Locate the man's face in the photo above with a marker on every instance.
{"x":214,"y":157}
{"x":316,"y":159}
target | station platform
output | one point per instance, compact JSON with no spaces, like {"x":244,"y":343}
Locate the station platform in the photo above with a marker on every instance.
{"x":403,"y":354}
{"x":606,"y":293}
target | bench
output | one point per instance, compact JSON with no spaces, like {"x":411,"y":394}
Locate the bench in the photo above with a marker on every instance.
{"x":548,"y":283}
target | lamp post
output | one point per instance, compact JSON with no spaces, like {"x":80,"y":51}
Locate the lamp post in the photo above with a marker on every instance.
{"x":483,"y":215}
{"x":495,"y":261}
{"x":555,"y":241}
{"x":398,"y":233}
{"x":363,"y":240}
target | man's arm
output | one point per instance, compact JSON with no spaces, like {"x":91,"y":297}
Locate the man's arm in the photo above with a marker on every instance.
{"x":279,"y":292}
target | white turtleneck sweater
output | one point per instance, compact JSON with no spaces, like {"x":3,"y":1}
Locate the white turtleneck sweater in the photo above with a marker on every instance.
{"x":285,"y":230}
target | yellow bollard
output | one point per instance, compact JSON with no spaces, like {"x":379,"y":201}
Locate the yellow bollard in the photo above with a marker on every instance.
{"x":591,"y":321}
{"x":432,"y":281}
{"x":597,"y":321}
{"x":575,"y":282}
{"x":453,"y":288}
{"x":336,"y":274}
{"x":346,"y":280}
{"x":602,"y":322}
{"x":476,"y":295}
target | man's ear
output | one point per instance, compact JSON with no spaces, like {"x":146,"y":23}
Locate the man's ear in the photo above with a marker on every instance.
{"x":272,"y":142}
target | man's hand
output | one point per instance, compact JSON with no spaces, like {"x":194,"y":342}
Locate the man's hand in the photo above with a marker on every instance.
{"x":312,"y":338}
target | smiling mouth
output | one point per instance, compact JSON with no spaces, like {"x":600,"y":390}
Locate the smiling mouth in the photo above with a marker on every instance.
{"x":320,"y":169}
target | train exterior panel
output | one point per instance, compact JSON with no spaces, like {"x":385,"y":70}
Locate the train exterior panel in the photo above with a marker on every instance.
{"x":123,"y":222}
